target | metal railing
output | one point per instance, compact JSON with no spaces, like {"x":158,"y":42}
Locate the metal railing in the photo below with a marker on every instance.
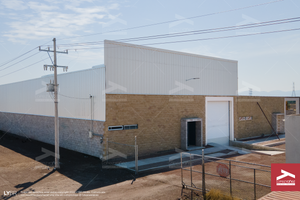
{"x":111,"y":153}
{"x":188,"y":160}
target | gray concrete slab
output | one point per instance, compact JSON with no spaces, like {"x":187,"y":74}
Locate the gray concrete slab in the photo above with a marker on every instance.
{"x":168,"y":160}
{"x":274,"y":137}
{"x":269,"y":153}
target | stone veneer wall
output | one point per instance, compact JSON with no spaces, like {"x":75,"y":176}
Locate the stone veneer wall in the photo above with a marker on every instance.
{"x":158,"y":118}
{"x":247,"y":107}
{"x":73,"y":132}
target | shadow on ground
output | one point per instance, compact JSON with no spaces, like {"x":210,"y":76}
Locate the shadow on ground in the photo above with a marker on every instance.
{"x":84,"y":169}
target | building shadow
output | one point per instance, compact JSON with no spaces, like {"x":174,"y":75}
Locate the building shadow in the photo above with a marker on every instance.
{"x":84,"y":169}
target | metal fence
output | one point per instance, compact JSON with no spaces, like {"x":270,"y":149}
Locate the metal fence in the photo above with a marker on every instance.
{"x":119,"y":155}
{"x":224,"y":174}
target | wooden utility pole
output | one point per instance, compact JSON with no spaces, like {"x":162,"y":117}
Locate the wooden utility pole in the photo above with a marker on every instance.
{"x":56,"y":120}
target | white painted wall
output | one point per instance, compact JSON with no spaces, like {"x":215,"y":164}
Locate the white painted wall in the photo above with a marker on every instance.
{"x":135,"y":69}
{"x":292,"y":138}
{"x":30,"y":97}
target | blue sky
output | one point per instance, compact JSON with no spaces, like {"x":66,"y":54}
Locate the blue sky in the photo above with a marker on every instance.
{"x":266,"y":62}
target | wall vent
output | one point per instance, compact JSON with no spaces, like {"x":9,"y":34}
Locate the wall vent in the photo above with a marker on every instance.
{"x":115,"y":128}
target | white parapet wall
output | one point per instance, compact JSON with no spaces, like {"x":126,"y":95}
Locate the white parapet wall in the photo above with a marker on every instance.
{"x":136,"y":69}
{"x":292,"y":138}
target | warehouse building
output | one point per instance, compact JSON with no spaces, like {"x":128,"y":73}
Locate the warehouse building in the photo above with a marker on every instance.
{"x":167,"y":99}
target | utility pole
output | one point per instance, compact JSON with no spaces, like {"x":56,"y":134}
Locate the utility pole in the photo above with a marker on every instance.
{"x":56,"y":120}
{"x":294,"y":92}
{"x":56,"y":109}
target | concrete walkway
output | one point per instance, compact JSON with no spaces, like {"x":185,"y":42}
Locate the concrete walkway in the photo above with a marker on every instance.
{"x":268,"y":142}
{"x":173,"y":160}
{"x":259,"y":140}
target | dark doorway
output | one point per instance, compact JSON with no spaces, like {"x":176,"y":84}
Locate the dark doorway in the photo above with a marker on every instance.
{"x":191,"y":133}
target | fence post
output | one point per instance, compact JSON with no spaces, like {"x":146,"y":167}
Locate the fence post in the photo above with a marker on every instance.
{"x":230,"y":177}
{"x":191,"y":169}
{"x":254,"y":186}
{"x":136,"y":156}
{"x":107,"y":150}
{"x":203,"y":176}
{"x":181,"y":169}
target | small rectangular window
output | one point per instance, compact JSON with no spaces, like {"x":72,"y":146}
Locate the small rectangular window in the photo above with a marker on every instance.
{"x":115,"y":128}
{"x":291,"y":107}
{"x":133,"y":126}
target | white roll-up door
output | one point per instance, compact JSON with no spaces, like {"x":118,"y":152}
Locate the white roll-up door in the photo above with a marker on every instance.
{"x":218,"y":124}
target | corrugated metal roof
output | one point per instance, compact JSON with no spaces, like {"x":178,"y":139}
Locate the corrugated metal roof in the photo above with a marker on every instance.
{"x":282,"y":195}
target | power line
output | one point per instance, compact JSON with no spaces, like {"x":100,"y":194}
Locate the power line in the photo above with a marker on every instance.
{"x":187,"y":33}
{"x":50,"y":94}
{"x":23,"y":68}
{"x":72,"y":97}
{"x":223,"y":37}
{"x":170,"y":21}
{"x":19,"y":61}
{"x":18,"y":57}
{"x":5,"y":63}
{"x":176,"y":34}
{"x":212,"y":38}
{"x":154,"y":24}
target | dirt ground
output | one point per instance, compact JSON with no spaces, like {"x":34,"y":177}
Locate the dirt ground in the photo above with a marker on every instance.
{"x":282,"y":146}
{"x":82,"y":176}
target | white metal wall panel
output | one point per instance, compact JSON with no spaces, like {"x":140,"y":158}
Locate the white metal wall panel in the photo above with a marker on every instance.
{"x":30,"y":97}
{"x":134,"y":69}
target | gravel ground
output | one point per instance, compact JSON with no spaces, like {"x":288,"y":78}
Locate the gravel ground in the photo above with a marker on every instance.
{"x":82,"y":176}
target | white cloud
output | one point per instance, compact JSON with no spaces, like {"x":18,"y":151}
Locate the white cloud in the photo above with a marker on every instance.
{"x":114,"y":6}
{"x":14,"y":4}
{"x":69,"y":2}
{"x":87,"y":10}
{"x":40,"y":6}
{"x":43,"y":20}
{"x":78,"y":2}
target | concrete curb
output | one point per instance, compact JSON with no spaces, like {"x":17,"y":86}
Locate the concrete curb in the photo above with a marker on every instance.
{"x":253,"y":146}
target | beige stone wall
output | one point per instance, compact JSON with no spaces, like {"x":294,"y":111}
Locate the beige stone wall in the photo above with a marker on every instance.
{"x":158,"y":118}
{"x":247,"y":106}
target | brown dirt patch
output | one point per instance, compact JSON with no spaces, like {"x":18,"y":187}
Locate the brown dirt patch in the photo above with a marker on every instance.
{"x":82,"y":176}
